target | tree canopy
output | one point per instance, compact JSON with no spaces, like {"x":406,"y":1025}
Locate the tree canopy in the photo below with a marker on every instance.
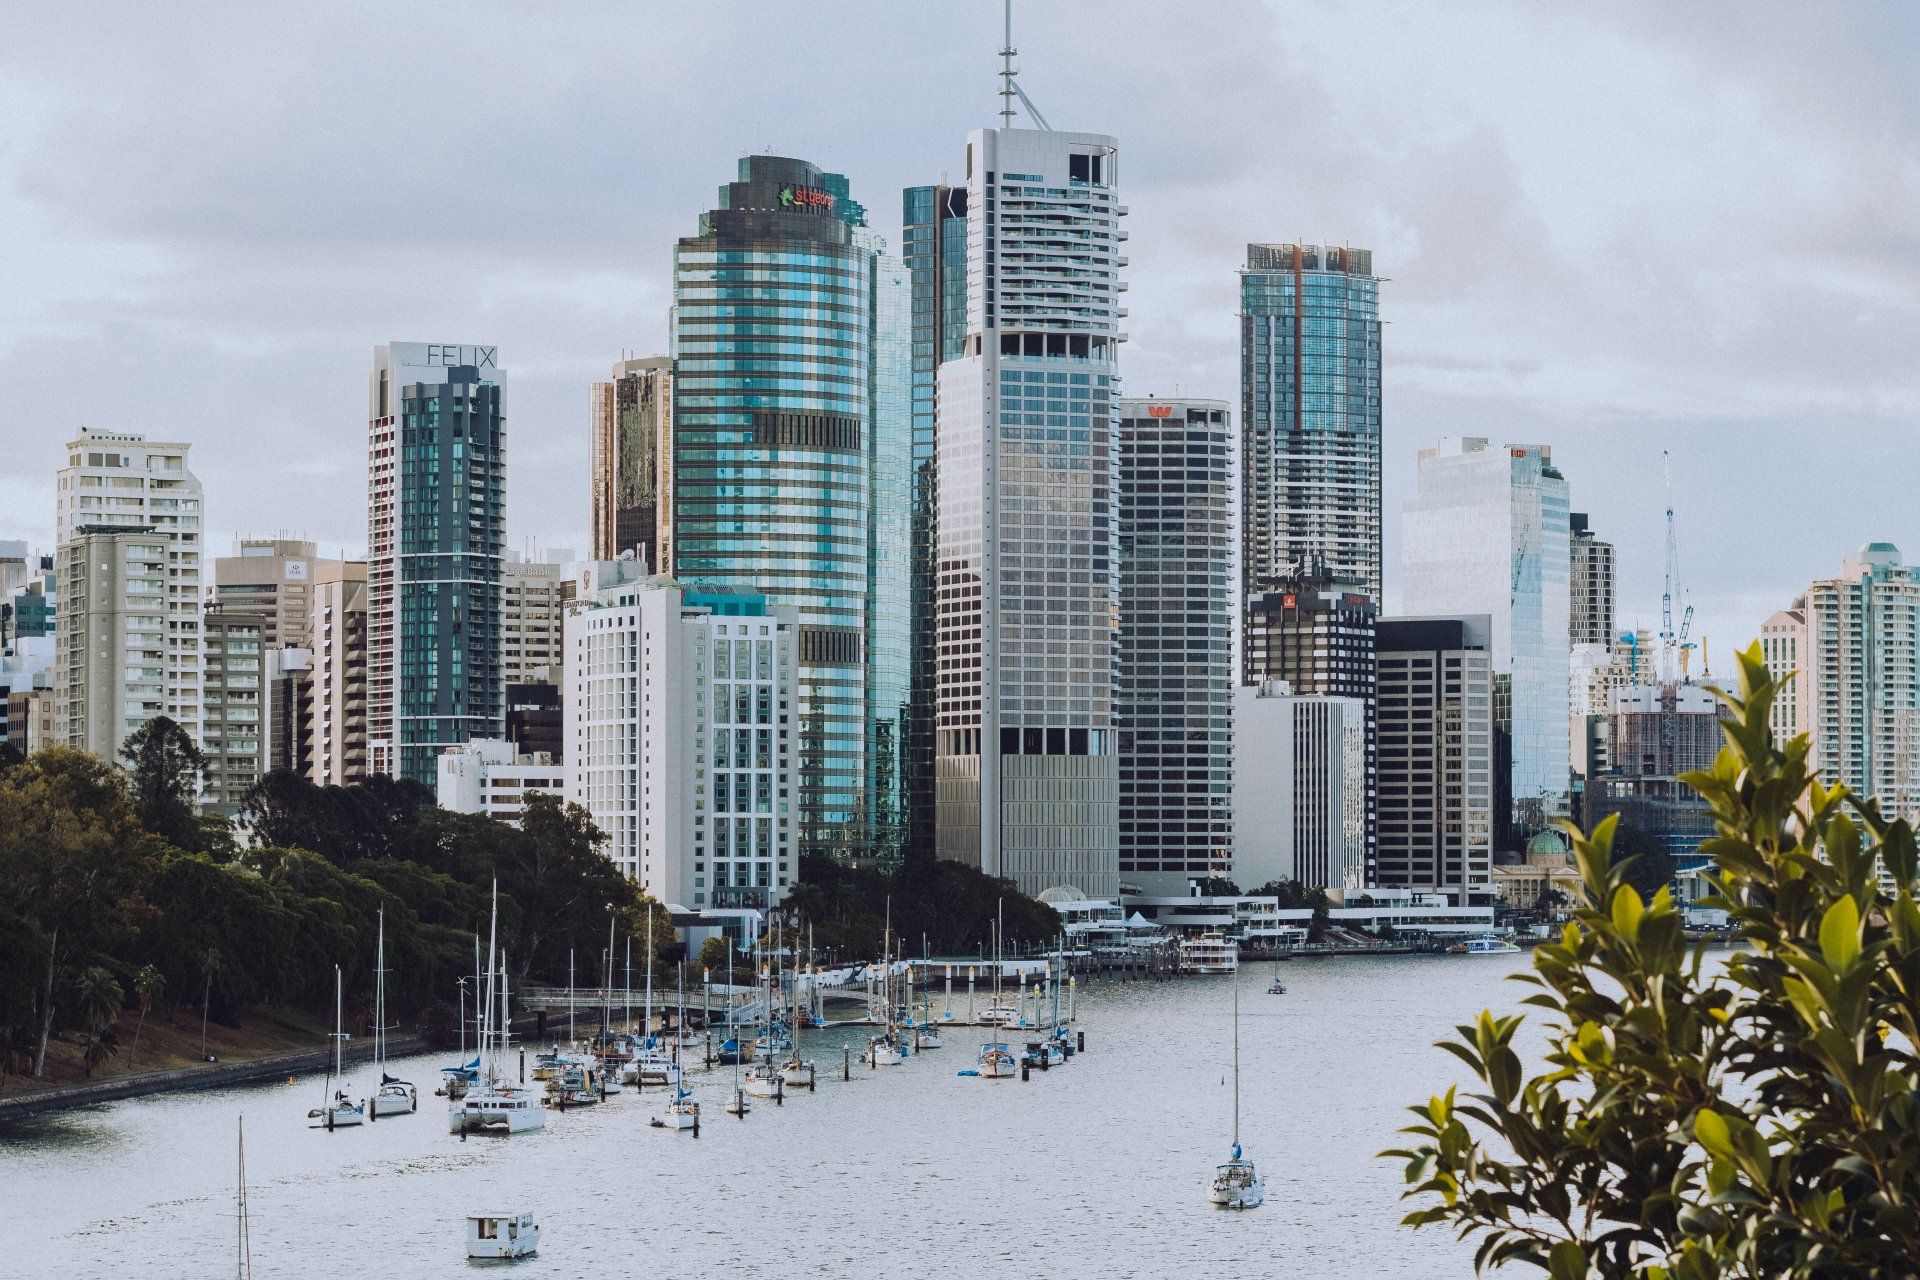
{"x":1695,"y":1120}
{"x":950,"y":906}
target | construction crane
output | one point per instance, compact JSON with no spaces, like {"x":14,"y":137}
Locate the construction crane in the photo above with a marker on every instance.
{"x":1675,"y":647}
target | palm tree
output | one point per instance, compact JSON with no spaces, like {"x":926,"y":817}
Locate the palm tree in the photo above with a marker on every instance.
{"x":98,"y":995}
{"x":98,"y":1048}
{"x":209,"y":965}
{"x":147,"y":986}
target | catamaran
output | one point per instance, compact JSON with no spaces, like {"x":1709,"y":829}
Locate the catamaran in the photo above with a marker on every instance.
{"x":1487,"y":944}
{"x":394,"y":1097}
{"x":1236,"y":1184}
{"x":493,"y":1104}
{"x":338,"y":1110}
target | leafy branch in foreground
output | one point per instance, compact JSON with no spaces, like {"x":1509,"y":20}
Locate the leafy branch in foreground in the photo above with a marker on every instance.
{"x":1696,"y":1120}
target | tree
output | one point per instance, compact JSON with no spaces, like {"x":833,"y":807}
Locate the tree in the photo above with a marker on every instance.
{"x":97,"y":1048}
{"x":147,"y":986}
{"x":73,"y":861}
{"x":97,"y":995}
{"x":209,"y":966}
{"x":1647,"y":863}
{"x":167,"y":772}
{"x":715,"y":954}
{"x":1694,"y":1122}
{"x":563,"y":883}
{"x":1217,"y":887}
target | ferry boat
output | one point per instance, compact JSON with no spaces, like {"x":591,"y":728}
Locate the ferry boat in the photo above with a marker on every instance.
{"x":502,"y":1235}
{"x":1486,"y":944}
{"x":1208,"y":953}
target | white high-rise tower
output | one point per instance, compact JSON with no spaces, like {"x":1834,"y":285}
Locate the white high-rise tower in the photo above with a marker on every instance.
{"x":1026,"y":774}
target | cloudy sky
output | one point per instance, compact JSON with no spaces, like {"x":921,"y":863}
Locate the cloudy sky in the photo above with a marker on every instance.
{"x":1614,"y":228}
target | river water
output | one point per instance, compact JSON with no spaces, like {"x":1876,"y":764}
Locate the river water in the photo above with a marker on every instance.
{"x":1098,"y":1168}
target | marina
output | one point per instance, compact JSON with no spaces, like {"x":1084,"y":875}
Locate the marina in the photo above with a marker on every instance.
{"x":1325,"y":1073}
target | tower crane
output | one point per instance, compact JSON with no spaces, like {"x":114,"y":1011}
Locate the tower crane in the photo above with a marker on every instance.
{"x":1676,"y":648}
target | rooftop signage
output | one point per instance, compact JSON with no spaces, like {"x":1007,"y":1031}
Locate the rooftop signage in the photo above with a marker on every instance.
{"x":793,"y":196}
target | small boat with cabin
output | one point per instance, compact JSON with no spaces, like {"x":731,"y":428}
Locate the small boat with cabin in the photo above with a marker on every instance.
{"x":502,"y":1235}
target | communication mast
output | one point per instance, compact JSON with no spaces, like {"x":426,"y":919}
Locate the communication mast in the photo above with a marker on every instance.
{"x":1009,"y":86}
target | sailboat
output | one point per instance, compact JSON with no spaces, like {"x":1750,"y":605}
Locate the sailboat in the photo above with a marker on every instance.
{"x":493,"y":1103}
{"x":1236,"y":1184}
{"x":393,"y":1097}
{"x":886,"y":1049}
{"x":243,"y":1243}
{"x":338,"y":1110}
{"x":997,"y":1060}
{"x":796,"y":1071}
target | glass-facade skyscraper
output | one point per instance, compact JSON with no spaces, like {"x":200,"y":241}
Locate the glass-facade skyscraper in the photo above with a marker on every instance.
{"x":1177,"y":593}
{"x":1486,"y":532}
{"x":436,"y":542}
{"x":1026,"y":775}
{"x":933,"y":240}
{"x":1310,"y":412}
{"x":790,"y":431}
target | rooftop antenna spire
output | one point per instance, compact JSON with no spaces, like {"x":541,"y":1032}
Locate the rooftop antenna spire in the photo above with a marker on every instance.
{"x":1007,"y":90}
{"x":1010,"y":87}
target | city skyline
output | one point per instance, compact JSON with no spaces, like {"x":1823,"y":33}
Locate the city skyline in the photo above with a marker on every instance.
{"x":1507,"y":313}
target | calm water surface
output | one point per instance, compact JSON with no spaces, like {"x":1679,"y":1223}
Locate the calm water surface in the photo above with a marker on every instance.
{"x":1095,"y":1169}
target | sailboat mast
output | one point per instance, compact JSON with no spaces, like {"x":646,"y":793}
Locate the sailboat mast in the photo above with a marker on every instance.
{"x":338,"y":1036}
{"x":1236,"y":1067}
{"x":646,"y":1014}
{"x":243,"y":1262}
{"x":380,"y":999}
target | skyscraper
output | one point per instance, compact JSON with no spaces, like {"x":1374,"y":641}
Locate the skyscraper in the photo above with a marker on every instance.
{"x":436,"y":538}
{"x":1590,"y":584}
{"x":1863,"y":688}
{"x":933,"y":240}
{"x":1026,"y":773}
{"x":1435,"y":756}
{"x":1783,"y":643}
{"x":790,"y":425}
{"x":336,"y":692}
{"x":1310,"y":412}
{"x":273,"y":577}
{"x":632,"y":446}
{"x":1175,"y":708}
{"x":1486,"y":532}
{"x":127,"y":647}
{"x":233,"y":736}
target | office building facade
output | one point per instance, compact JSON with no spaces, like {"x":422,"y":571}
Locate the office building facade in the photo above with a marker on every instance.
{"x":1026,"y":765}
{"x":1434,"y":756}
{"x":1783,"y":643}
{"x":631,"y":429}
{"x":338,"y":752}
{"x":129,"y":522}
{"x":1299,"y":788}
{"x":790,"y":425}
{"x":1487,"y":532}
{"x":683,"y":727}
{"x":274,"y":578}
{"x":1310,"y":412}
{"x":1175,"y":685}
{"x":436,"y":542}
{"x":933,"y":243}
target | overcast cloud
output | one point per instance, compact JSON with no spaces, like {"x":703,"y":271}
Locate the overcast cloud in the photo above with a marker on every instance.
{"x":1613,"y":228}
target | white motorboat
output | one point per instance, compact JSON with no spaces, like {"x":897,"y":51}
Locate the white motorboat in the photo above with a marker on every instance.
{"x":797,"y":1073}
{"x":1237,"y":1184}
{"x":1208,"y":953}
{"x":926,"y":1036}
{"x":999,"y":1015}
{"x":337,"y":1111}
{"x":765,"y":1081}
{"x":502,"y":1235}
{"x":884,"y":1051}
{"x":1487,"y":944}
{"x":681,"y":1112}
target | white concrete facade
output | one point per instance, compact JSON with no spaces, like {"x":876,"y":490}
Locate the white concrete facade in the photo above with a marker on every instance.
{"x":680,"y":734}
{"x":1299,"y":788}
{"x":489,"y":776}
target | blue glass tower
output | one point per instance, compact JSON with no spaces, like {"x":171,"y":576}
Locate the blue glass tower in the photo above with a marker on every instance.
{"x":791,"y":440}
{"x":933,"y":241}
{"x":1310,"y":412}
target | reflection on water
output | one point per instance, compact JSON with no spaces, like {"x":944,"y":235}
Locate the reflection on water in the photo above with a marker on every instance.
{"x":1097,"y":1168}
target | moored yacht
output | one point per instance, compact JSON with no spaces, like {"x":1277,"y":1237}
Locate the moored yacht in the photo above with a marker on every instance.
{"x":1237,"y":1184}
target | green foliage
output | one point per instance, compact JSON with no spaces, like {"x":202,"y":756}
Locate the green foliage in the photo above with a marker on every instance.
{"x":1647,"y":865}
{"x":167,"y":770}
{"x":1217,"y":887}
{"x":713,"y":954}
{"x":1756,"y":1119}
{"x":1293,"y":895}
{"x":951,"y":906}
{"x":98,"y":996}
